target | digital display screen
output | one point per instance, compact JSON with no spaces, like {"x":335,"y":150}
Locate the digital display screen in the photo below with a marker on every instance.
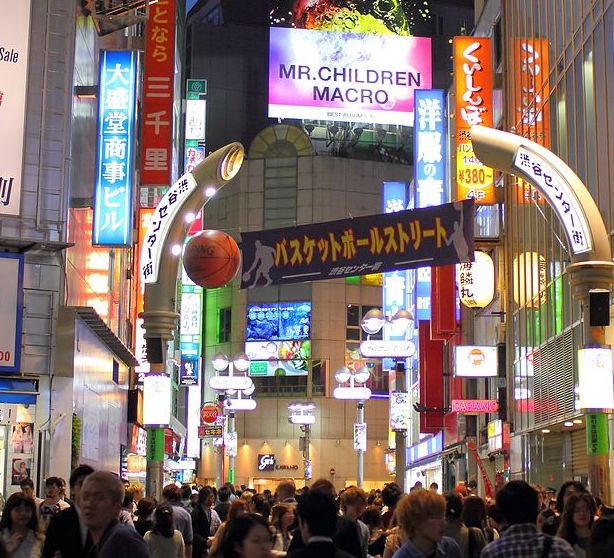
{"x":278,"y":321}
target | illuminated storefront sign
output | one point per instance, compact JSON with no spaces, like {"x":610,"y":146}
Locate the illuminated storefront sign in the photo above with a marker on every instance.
{"x":595,"y":379}
{"x":195,"y":112}
{"x":427,"y":236}
{"x":476,"y":281}
{"x":560,"y":195}
{"x":474,"y":406}
{"x":278,"y":350}
{"x":384,"y":348}
{"x":473,"y":85}
{"x":157,"y":400}
{"x":14,"y":56}
{"x":326,"y":75}
{"x":114,"y":159}
{"x":158,"y":89}
{"x":473,"y":361}
{"x":11,"y":308}
{"x":140,"y":346}
{"x":425,"y":448}
{"x":498,"y":436}
{"x":194,"y":154}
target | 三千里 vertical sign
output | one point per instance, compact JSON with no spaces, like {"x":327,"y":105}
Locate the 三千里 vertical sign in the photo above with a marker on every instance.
{"x":14,"y":46}
{"x":473,"y":79}
{"x":115,"y":157}
{"x":11,"y":271}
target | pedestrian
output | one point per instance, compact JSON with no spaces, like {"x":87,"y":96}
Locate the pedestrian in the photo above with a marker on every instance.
{"x":496,"y":519}
{"x":237,"y":508}
{"x":421,"y":516}
{"x":518,"y":502}
{"x":286,"y":491}
{"x":53,"y":503}
{"x":27,"y":488}
{"x":260,"y":505}
{"x":144,"y":515}
{"x":164,"y":541}
{"x":205,"y":522}
{"x":372,"y":518}
{"x":126,"y":515}
{"x":471,"y":540}
{"x":223,"y":496}
{"x":601,"y":542}
{"x":183,"y":520}
{"x":19,"y":527}
{"x":391,"y":494}
{"x":66,"y":533}
{"x":247,"y":536}
{"x":577,"y":520}
{"x":434,"y":487}
{"x":282,"y":519}
{"x":545,"y":522}
{"x":353,"y":505}
{"x":474,"y":515}
{"x":317,"y":518}
{"x":100,"y":501}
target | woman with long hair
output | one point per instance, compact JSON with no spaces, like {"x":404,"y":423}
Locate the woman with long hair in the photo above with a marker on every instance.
{"x":247,"y":536}
{"x":237,"y":509}
{"x":164,"y":541}
{"x":144,"y":515}
{"x":474,"y":515}
{"x":282,"y":519}
{"x":577,"y":521}
{"x":19,"y":527}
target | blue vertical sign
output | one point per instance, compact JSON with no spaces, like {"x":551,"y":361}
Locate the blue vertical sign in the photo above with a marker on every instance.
{"x":114,"y":158}
{"x":430,"y":170}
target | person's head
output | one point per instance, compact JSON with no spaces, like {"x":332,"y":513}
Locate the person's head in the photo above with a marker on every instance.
{"x":601,"y":542}
{"x":237,"y":508}
{"x":27,"y":487}
{"x":434,"y":487}
{"x":286,"y":490}
{"x":566,"y":490}
{"x":324,"y":485}
{"x":171,"y":493}
{"x":282,"y":516}
{"x":518,"y":502}
{"x":77,"y":476}
{"x":391,"y":494}
{"x":461,"y":489}
{"x":223,"y":494}
{"x":353,"y":502}
{"x":19,"y":511}
{"x":100,"y":500}
{"x":138,"y":491}
{"x":546,"y":522}
{"x":454,"y":506}
{"x":144,"y":508}
{"x":164,"y":521}
{"x":372,"y":518}
{"x":317,"y":514}
{"x":422,"y":513}
{"x":205,"y":497}
{"x":472,"y":487}
{"x":53,"y":488}
{"x":578,"y":513}
{"x":247,"y":536}
{"x":62,"y":487}
{"x":260,"y":505}
{"x":496,"y":519}
{"x":186,"y":491}
{"x":417,"y":486}
{"x":474,"y":512}
{"x":128,"y":499}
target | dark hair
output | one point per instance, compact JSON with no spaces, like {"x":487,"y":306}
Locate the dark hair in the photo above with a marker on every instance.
{"x":518,"y":501}
{"x":57,"y":481}
{"x":164,"y":522}
{"x":171,"y":493}
{"x":27,"y":482}
{"x":145,"y":507}
{"x":261,"y":506}
{"x":236,"y":509}
{"x":204,"y":494}
{"x":223,"y":493}
{"x":78,"y":474}
{"x":236,"y":532}
{"x":474,"y":512}
{"x":318,"y":510}
{"x":186,"y":491}
{"x":567,"y":527}
{"x":391,"y":494}
{"x":601,"y":542}
{"x":561,"y":494}
{"x":372,"y":517}
{"x":278,"y":512}
{"x":454,"y":505}
{"x":495,"y":512}
{"x":324,"y":485}
{"x":128,"y":498}
{"x":19,"y":499}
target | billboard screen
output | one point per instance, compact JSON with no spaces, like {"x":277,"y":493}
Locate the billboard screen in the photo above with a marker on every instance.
{"x":326,"y":75}
{"x":278,"y":321}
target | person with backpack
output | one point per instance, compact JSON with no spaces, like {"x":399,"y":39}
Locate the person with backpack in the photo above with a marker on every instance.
{"x":471,"y":540}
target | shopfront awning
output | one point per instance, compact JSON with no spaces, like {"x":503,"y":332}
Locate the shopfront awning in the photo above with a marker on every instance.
{"x":18,"y":391}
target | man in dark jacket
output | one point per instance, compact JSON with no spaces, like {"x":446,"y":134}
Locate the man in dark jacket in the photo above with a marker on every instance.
{"x":223,"y":495}
{"x":205,"y":522}
{"x":66,"y":533}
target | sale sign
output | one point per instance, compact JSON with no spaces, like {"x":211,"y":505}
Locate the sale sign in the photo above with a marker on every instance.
{"x":473,"y":85}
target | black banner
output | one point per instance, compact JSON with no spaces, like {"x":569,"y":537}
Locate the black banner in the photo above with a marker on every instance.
{"x":430,"y":236}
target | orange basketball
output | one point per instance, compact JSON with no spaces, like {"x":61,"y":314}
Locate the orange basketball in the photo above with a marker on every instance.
{"x":211,"y":259}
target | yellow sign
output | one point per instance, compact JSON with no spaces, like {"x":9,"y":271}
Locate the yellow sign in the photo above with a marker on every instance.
{"x":473,"y":179}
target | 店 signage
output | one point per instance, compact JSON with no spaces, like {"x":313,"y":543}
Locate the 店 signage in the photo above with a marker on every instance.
{"x":114,"y":158}
{"x":473,"y":84}
{"x":14,"y":51}
{"x":11,"y":271}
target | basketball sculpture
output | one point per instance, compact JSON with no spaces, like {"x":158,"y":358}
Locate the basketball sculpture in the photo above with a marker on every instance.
{"x":211,"y":259}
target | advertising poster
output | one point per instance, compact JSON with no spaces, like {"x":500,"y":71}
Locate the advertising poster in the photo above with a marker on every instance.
{"x":22,"y":438}
{"x":327,"y":75}
{"x":360,"y":436}
{"x":11,"y":308}
{"x":278,"y":321}
{"x":21,"y":469}
{"x":399,"y":410}
{"x":375,"y":243}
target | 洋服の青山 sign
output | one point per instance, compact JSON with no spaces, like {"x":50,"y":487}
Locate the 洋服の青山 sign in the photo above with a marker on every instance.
{"x":436,"y":235}
{"x":326,"y":75}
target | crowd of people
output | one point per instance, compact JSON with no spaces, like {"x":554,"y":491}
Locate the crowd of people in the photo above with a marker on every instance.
{"x":105,"y":517}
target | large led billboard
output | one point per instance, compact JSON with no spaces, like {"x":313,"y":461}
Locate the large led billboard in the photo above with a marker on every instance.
{"x":278,"y":321}
{"x":325,"y":75}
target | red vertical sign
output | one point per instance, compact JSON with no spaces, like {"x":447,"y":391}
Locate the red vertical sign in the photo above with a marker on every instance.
{"x":158,"y":87}
{"x":431,"y":380}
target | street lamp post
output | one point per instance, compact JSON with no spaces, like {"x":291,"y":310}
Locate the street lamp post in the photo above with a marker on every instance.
{"x":231,"y":385}
{"x":359,"y":394}
{"x":373,"y":321}
{"x":302,"y":414}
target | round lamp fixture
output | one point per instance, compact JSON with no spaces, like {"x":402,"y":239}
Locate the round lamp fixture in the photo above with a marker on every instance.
{"x":476,"y":281}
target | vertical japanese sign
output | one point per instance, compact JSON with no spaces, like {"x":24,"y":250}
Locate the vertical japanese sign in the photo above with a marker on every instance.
{"x":473,"y":85}
{"x":195,"y":118}
{"x":190,"y":339}
{"x":531,"y":110}
{"x":11,"y":307}
{"x":158,"y":94}
{"x":14,"y":51}
{"x":114,"y":158}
